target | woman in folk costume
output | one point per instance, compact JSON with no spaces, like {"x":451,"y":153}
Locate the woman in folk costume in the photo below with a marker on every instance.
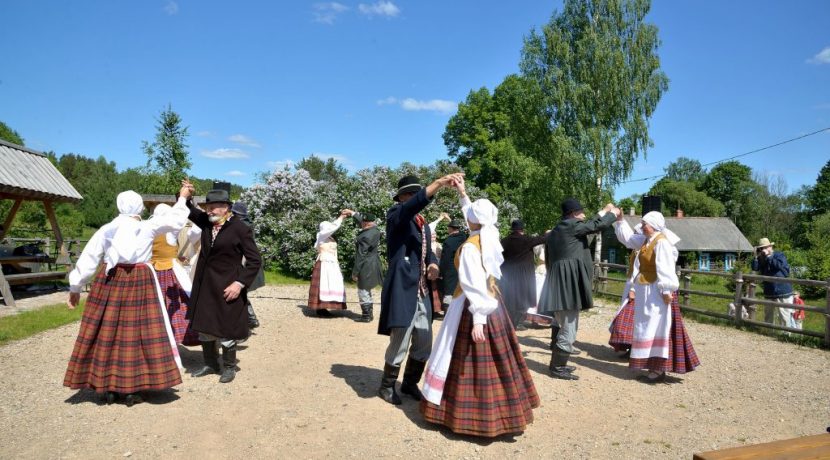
{"x":125,"y":344}
{"x":477,"y":382}
{"x":660,"y":342}
{"x":173,"y":278}
{"x":540,"y":273}
{"x":622,"y":326}
{"x":434,"y":285}
{"x":327,"y":290}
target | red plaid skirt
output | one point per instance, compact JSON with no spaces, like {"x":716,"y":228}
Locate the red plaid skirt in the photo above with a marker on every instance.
{"x":177,"y":301}
{"x":489,"y":390}
{"x":682,"y":357}
{"x":122,"y":345}
{"x":314,"y":301}
{"x":622,"y":328}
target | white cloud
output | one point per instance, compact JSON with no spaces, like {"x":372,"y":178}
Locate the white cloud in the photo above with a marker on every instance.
{"x":204,"y":133}
{"x":414,"y":105}
{"x":244,"y":140}
{"x":823,"y":57}
{"x":389,"y":100}
{"x":224,"y":154}
{"x":381,"y":8}
{"x":326,"y":13}
{"x":235,"y":173}
{"x":171,"y":8}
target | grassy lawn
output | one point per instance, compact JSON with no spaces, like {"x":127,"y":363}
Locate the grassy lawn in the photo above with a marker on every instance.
{"x":715,"y":284}
{"x":28,"y":323}
{"x":279,"y":278}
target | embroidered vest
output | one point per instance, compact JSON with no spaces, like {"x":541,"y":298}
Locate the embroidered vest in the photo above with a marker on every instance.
{"x":475,"y":240}
{"x":648,"y":261}
{"x":163,"y":253}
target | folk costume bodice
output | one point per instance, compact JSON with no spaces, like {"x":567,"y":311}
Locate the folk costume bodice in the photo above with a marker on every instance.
{"x":648,"y":261}
{"x":163,"y":253}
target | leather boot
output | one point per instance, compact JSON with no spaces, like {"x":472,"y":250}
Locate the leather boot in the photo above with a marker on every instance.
{"x":253,"y":322}
{"x":559,"y":365}
{"x":366,"y":310}
{"x":411,"y":377}
{"x":554,"y":331}
{"x":211,"y":360}
{"x":228,"y":364}
{"x":387,"y":384}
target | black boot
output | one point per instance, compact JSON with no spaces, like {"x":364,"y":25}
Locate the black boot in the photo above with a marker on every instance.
{"x":366,"y":316}
{"x":228,"y":364}
{"x":559,"y":365}
{"x":211,"y":360}
{"x":253,"y":322}
{"x":554,"y":331}
{"x":387,"y":384}
{"x":411,"y":377}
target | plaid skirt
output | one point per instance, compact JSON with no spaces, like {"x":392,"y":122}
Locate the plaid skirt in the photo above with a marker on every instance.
{"x":622,"y":328}
{"x":314,"y":301}
{"x":177,"y":301}
{"x":682,"y":357}
{"x":122,"y":344}
{"x":489,"y":391}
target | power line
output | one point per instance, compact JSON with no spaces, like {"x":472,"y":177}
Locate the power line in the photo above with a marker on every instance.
{"x":739,"y":155}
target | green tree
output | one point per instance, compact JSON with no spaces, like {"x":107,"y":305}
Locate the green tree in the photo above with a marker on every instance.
{"x":677,"y":194}
{"x":94,"y":180}
{"x":818,"y":256}
{"x":819,"y":195}
{"x":320,"y":169}
{"x":731,"y":183}
{"x":686,"y":169}
{"x":10,"y":135}
{"x":167,"y":156}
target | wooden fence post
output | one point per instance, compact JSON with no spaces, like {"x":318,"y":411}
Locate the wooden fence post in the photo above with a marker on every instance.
{"x":751,"y":308}
{"x":739,"y":287}
{"x":827,"y":314}
{"x":687,"y":284}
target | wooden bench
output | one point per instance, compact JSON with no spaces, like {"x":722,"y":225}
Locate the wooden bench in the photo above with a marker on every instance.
{"x":812,"y":447}
{"x":15,"y":279}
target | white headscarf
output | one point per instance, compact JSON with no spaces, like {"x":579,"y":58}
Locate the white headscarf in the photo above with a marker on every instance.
{"x":656,"y":220}
{"x":485,"y":213}
{"x":123,"y":247}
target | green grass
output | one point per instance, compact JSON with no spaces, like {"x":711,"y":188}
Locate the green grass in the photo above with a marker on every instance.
{"x":814,"y":321}
{"x":28,"y":323}
{"x":278,"y":278}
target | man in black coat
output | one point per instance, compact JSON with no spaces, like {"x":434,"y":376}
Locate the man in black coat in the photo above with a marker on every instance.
{"x":217,"y":310}
{"x":240,"y":210}
{"x":406,"y":309}
{"x":449,"y":274}
{"x":367,"y":272}
{"x":518,"y":281}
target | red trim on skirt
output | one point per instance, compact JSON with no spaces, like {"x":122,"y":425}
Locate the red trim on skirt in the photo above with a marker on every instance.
{"x":314,"y":301}
{"x":122,"y":344}
{"x":488,"y":391}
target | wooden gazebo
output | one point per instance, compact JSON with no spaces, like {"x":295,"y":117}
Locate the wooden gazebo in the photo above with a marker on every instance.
{"x":28,"y":175}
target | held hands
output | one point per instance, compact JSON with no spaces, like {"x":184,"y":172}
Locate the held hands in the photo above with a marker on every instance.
{"x":445,"y":216}
{"x":478,"y":333}
{"x":432,"y":272}
{"x":74,"y":298}
{"x":232,"y":292}
{"x":346,"y":213}
{"x":187,"y":189}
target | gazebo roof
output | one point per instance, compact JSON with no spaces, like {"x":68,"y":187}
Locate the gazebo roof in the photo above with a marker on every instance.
{"x":28,"y":174}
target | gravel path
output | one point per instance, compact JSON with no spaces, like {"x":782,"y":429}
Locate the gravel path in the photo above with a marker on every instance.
{"x":307,"y":386}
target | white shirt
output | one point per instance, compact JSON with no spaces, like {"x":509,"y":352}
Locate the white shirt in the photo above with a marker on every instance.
{"x":665,"y":255}
{"x":473,"y":281}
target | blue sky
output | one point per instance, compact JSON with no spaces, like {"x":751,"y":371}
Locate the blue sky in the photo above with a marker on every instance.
{"x":263,"y":83}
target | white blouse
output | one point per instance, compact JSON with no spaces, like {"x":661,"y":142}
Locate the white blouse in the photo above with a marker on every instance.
{"x":473,"y":281}
{"x":665,"y":255}
{"x":135,"y":244}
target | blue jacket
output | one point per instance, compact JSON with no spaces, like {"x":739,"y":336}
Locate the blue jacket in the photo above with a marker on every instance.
{"x":774,"y":265}
{"x":403,"y":252}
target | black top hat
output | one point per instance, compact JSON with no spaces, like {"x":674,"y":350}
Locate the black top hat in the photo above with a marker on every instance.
{"x":456,"y":223}
{"x":517,"y":224}
{"x":240,"y":209}
{"x":570,"y":205}
{"x":217,"y":196}
{"x":407,"y":184}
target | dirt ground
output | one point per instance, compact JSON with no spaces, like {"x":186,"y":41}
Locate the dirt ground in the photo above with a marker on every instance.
{"x":307,"y":386}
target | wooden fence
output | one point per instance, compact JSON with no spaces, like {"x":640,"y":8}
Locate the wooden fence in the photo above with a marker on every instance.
{"x":742,"y":297}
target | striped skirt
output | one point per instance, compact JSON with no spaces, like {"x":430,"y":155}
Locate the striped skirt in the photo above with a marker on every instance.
{"x":122,"y":344}
{"x":177,"y":302}
{"x":682,"y":357}
{"x":622,"y":328}
{"x":488,"y":391}
{"x":314,"y":301}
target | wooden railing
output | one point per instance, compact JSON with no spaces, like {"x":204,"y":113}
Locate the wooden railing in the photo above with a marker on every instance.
{"x":743,"y":296}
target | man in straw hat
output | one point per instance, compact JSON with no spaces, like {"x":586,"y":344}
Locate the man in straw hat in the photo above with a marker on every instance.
{"x":218,"y":310}
{"x":768,"y":262}
{"x":406,"y":306}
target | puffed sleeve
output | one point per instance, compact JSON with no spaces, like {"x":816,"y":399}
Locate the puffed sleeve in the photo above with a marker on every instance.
{"x":473,"y":282}
{"x":88,"y":261}
{"x":665,"y":258}
{"x":627,"y":237}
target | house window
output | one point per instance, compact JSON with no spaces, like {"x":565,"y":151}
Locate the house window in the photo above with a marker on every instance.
{"x":729,"y":261}
{"x":703,"y":262}
{"x":612,"y":255}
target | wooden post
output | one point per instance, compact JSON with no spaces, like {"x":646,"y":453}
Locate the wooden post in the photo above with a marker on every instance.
{"x":827,"y":314}
{"x":63,"y":255}
{"x":687,"y":284}
{"x":739,"y":288}
{"x":750,"y":307}
{"x":10,"y":218}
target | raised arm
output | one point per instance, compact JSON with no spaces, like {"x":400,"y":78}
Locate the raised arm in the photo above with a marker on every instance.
{"x":626,"y":236}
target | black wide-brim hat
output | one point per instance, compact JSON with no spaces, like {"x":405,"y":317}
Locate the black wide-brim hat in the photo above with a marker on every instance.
{"x":218,"y":196}
{"x":456,"y":223}
{"x":407,"y":184}
{"x":570,"y":205}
